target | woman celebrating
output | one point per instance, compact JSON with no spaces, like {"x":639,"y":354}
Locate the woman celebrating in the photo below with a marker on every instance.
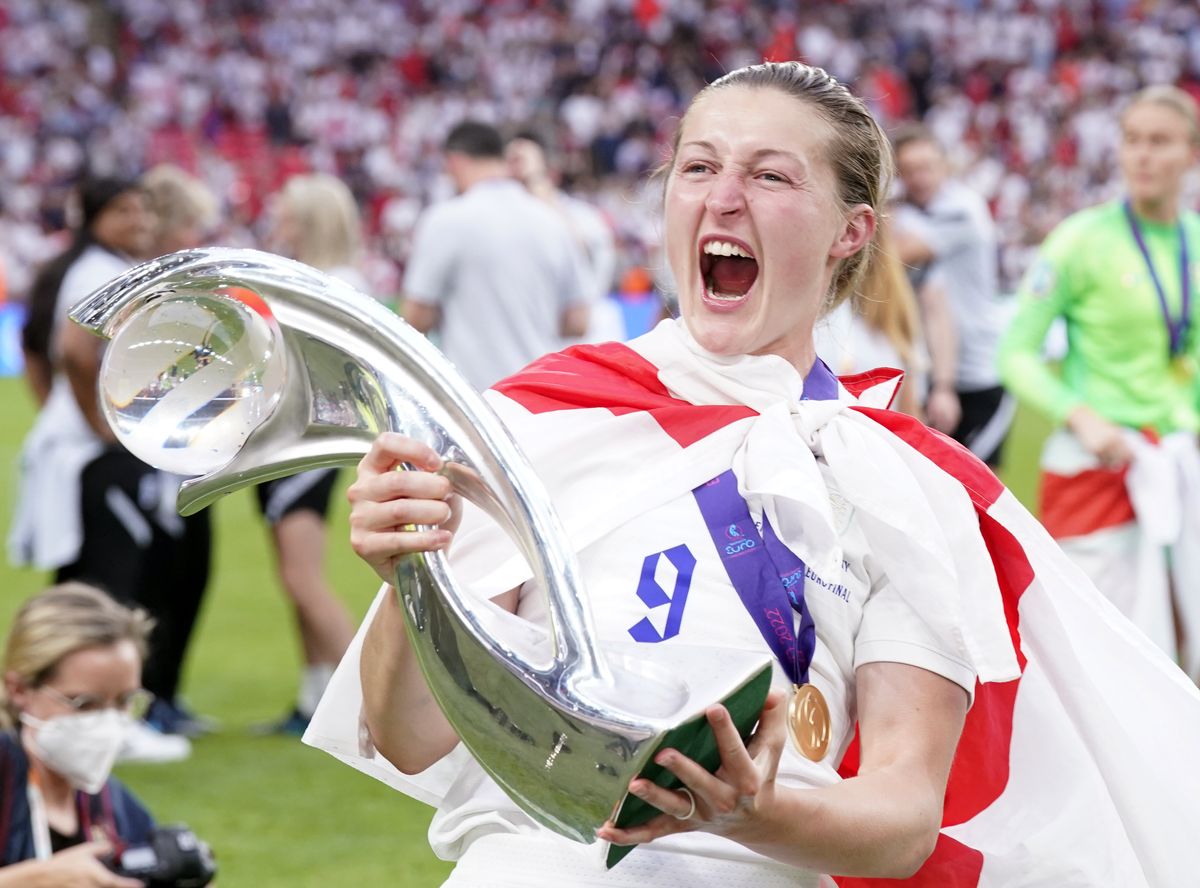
{"x":1123,"y":276}
{"x":877,"y":537}
{"x":763,"y":154}
{"x":72,"y":685}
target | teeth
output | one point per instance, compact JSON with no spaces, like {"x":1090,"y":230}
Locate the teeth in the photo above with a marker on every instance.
{"x":725,"y":248}
{"x":723,"y":297}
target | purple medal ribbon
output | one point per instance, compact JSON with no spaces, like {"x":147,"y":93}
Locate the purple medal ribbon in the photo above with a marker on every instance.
{"x":820,"y":384}
{"x":767,"y":576}
{"x":1177,"y":329}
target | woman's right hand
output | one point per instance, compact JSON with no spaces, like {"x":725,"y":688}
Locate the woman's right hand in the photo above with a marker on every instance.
{"x":1103,"y":439}
{"x":385,"y":504}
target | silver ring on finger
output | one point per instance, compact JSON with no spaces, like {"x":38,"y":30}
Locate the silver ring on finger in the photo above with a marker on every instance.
{"x":692,"y":810}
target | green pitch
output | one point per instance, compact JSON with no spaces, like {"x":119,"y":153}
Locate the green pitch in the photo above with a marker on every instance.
{"x":276,"y":812}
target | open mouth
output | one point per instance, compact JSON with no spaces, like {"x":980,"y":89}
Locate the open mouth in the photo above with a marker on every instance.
{"x":727,"y":269}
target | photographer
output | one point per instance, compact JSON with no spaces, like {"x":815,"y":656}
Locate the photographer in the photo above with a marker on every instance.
{"x":72,"y":684}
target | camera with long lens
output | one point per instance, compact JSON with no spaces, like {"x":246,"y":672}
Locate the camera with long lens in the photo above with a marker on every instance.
{"x":173,"y":858}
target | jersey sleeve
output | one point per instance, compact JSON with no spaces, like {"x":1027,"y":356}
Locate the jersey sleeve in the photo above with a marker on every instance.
{"x":1045,"y":293}
{"x":432,"y":260}
{"x":892,"y":631}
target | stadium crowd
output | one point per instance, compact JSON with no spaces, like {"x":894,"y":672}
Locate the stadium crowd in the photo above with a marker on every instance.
{"x":264,"y":124}
{"x":245,"y":94}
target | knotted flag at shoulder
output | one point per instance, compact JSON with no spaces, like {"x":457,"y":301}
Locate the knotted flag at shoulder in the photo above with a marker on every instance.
{"x":1078,"y":761}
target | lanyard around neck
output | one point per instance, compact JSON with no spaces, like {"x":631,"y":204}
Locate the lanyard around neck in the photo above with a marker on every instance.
{"x":43,"y":848}
{"x":1177,"y":328}
{"x":767,"y":576}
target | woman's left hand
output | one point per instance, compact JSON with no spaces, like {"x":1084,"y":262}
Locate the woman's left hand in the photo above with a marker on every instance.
{"x":730,"y":802}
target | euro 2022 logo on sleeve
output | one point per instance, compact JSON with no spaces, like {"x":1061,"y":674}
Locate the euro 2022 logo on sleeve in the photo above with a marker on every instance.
{"x":654,"y":596}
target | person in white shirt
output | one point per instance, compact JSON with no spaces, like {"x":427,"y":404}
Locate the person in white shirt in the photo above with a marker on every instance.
{"x":526,"y":153}
{"x":493,"y":270}
{"x":945,"y":230}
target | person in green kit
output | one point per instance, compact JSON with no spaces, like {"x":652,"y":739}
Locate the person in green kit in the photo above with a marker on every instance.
{"x":1119,"y":484}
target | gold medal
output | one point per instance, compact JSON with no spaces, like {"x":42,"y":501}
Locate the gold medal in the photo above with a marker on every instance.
{"x":1183,"y":368}
{"x":808,"y":722}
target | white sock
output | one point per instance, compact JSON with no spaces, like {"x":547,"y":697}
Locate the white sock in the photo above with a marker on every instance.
{"x":312,"y":685}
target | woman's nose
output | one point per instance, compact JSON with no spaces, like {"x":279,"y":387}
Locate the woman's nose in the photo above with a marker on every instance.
{"x":727,"y":194}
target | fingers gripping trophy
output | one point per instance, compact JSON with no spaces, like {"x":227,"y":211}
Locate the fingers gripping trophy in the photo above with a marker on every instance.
{"x":235,"y":366}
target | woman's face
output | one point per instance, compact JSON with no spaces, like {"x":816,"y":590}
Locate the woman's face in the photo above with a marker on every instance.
{"x":754,"y":231}
{"x":1156,"y":152}
{"x":96,"y":678}
{"x":125,"y":224}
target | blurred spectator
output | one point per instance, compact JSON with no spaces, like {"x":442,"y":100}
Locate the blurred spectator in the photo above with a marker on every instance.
{"x":184,"y":216}
{"x":878,"y":327}
{"x":104,"y":204}
{"x":72,"y":672}
{"x":367,"y":90}
{"x":185,"y":210}
{"x":945,"y":231}
{"x":494,"y":271}
{"x":1121,"y":478}
{"x":316,"y":222}
{"x":87,"y":508}
{"x":528,"y":161}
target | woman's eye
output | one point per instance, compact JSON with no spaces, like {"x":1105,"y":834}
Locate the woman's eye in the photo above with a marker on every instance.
{"x":696,"y":167}
{"x":772,"y":177}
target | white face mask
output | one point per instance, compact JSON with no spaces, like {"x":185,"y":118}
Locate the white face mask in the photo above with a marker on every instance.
{"x":82,"y":746}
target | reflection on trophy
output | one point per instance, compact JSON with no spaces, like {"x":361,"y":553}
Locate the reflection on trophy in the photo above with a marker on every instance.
{"x":237,"y":366}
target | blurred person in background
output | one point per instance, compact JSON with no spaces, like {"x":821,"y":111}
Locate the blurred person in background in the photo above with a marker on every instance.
{"x":879,"y":327}
{"x":185,"y":210}
{"x":494,"y":271}
{"x":72,"y":685}
{"x":1121,"y":479}
{"x":111,"y":223}
{"x":316,"y":222}
{"x":185,"y":213}
{"x":88,"y":509}
{"x":945,"y":230}
{"x":528,"y":160}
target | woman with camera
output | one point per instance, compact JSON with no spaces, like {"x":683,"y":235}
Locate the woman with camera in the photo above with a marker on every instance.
{"x":72,"y":686}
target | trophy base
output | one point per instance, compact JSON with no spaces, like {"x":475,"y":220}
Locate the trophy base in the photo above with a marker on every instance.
{"x":694,"y":739}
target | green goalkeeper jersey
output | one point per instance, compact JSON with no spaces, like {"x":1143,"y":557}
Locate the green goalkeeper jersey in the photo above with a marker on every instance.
{"x":1091,"y":273}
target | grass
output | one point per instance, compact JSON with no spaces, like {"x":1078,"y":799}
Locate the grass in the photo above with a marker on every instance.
{"x":277,"y":812}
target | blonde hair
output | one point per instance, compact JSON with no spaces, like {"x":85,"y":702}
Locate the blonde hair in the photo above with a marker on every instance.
{"x":1171,"y":97}
{"x":179,"y":201}
{"x":325,"y":220}
{"x":858,"y":151}
{"x":58,"y":622}
{"x":887,"y":301}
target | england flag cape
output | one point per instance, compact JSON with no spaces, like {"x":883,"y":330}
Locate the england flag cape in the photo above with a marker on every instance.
{"x":1079,"y":764}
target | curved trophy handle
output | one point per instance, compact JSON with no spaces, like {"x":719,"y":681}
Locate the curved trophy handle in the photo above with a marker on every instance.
{"x":342,"y":347}
{"x":238,"y":366}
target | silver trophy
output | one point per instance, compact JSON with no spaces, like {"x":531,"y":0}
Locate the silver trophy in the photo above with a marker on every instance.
{"x":237,"y":366}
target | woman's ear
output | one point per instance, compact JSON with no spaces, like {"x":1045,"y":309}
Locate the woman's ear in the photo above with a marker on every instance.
{"x":856,"y":233}
{"x":15,"y":689}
